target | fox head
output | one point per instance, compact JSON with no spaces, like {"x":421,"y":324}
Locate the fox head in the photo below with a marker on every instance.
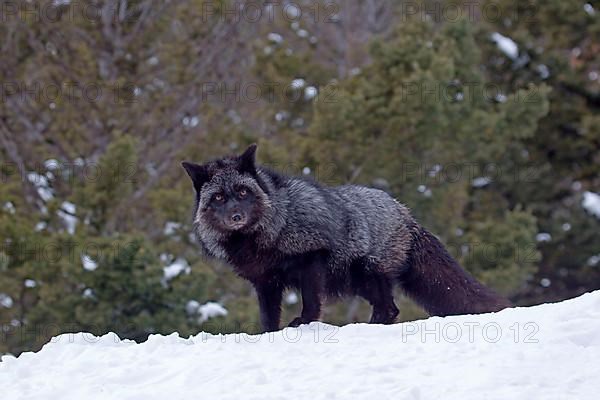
{"x":229,"y":193}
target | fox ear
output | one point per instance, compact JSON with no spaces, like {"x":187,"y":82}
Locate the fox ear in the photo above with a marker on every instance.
{"x":247,"y":161}
{"x":197,"y":173}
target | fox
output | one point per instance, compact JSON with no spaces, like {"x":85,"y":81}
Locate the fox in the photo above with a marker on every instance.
{"x":283,"y":232}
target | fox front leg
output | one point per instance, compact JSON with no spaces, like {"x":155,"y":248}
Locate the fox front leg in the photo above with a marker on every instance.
{"x":269,"y":302}
{"x":311,"y":288}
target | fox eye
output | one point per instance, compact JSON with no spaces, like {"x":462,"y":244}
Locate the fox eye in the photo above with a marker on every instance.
{"x":218,"y":197}
{"x":243,"y":192}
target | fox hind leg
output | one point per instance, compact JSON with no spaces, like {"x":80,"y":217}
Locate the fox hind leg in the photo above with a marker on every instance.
{"x":377,"y":288}
{"x":384,"y":307}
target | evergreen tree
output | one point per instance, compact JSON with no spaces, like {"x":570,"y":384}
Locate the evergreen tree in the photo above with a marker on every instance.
{"x":557,"y":45}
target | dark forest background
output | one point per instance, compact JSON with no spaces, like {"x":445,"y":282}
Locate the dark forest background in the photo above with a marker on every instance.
{"x":483,"y":117}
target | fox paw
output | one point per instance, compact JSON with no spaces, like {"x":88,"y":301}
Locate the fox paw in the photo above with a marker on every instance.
{"x":296,"y":322}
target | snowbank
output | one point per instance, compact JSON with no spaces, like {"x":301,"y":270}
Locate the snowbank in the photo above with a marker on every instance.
{"x":546,"y":352}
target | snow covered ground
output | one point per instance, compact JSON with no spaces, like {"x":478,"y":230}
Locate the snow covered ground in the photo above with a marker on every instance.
{"x":545,"y":352}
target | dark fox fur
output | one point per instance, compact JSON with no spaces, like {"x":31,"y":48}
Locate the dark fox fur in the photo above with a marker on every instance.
{"x":283,"y":232}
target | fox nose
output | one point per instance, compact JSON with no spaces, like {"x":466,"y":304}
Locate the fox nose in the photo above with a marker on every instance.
{"x":236,"y":217}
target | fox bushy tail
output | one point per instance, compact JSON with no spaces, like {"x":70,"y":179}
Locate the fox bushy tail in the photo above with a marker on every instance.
{"x":438,"y":283}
